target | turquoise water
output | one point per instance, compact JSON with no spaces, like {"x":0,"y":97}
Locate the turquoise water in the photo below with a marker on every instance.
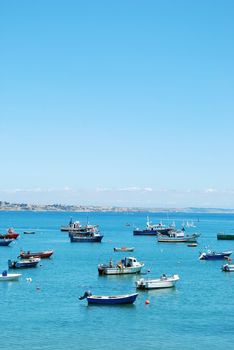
{"x":46,"y":313}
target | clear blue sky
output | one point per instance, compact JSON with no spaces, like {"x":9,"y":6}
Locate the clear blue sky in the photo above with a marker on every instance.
{"x":117,"y":102}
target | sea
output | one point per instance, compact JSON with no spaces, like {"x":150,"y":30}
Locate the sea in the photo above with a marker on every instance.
{"x":47,"y":314}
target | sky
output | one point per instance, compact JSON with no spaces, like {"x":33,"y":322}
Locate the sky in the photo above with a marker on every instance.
{"x":126,"y":103}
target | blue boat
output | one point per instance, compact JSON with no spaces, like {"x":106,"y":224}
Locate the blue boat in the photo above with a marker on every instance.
{"x":209,"y":255}
{"x":153,"y":230}
{"x":109,"y":300}
{"x":85,"y":237}
{"x":5,"y":242}
{"x":25,"y":263}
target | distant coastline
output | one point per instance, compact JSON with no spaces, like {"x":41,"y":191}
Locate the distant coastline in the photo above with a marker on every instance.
{"x":6,"y":206}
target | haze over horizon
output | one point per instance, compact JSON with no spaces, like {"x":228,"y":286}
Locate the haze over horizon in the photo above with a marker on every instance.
{"x":125,"y":103}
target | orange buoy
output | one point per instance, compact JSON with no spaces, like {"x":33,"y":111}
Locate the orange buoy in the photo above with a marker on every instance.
{"x":147,"y":302}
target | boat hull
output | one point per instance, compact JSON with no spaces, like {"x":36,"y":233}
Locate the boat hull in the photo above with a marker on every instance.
{"x":42,"y":255}
{"x":225,"y":237}
{"x":9,"y":236}
{"x":10,"y":277}
{"x":112,"y":300}
{"x":5,"y":242}
{"x":191,"y":239}
{"x":145,"y":233}
{"x":85,"y":239}
{"x":159,"y":283}
{"x":104,"y":270}
{"x":22,"y":264}
{"x":215,"y":256}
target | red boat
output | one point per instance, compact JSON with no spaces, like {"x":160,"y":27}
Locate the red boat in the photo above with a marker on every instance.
{"x":11,"y":234}
{"x":43,"y":255}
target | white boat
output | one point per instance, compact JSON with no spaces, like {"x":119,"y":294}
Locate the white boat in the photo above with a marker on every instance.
{"x":5,"y":276}
{"x":163,"y":282}
{"x":228,"y":268}
{"x":72,"y":226}
{"x":178,"y":237}
{"x":125,"y":266}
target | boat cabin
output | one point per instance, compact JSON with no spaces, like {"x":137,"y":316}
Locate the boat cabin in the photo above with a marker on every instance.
{"x":130,"y":262}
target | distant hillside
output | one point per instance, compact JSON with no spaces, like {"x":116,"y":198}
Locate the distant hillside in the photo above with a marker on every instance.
{"x":6,"y":206}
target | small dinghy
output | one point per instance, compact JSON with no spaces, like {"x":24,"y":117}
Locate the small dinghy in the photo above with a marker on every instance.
{"x":5,"y":276}
{"x":29,"y":232}
{"x":123,"y":249}
{"x":109,"y":300}
{"x":192,"y":245}
{"x":163,"y":282}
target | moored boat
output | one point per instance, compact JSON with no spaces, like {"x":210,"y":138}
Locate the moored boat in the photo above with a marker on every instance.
{"x":75,"y":226}
{"x":24,"y":263}
{"x":123,"y":249}
{"x":5,"y":276}
{"x":85,"y":237}
{"x":163,"y":282}
{"x":11,"y":234}
{"x":153,"y":229}
{"x":178,"y":237}
{"x":209,"y":255}
{"x":192,"y":245}
{"x":109,"y":300}
{"x":228,"y":268}
{"x":43,"y":254}
{"x":127,"y":265}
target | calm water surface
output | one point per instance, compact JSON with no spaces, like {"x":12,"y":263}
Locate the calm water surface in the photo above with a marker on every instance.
{"x":46,"y":313}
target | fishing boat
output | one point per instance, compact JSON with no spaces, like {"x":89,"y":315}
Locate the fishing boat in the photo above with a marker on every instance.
{"x":75,"y":226}
{"x":109,"y":300}
{"x":228,"y":268}
{"x":24,"y":263}
{"x":123,"y":249}
{"x":178,"y":237}
{"x":43,"y":254}
{"x":127,"y":265}
{"x":209,"y":255}
{"x":153,"y":229}
{"x":85,"y":237}
{"x":5,"y":276}
{"x":5,"y":242}
{"x":163,"y":282}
